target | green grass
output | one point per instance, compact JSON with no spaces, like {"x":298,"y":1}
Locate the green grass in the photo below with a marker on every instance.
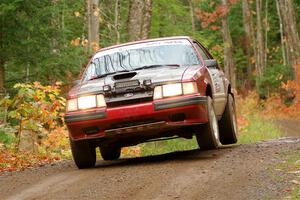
{"x":166,"y":146}
{"x":259,"y":129}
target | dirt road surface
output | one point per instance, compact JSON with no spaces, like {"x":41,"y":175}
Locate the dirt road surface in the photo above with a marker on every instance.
{"x":235,"y":172}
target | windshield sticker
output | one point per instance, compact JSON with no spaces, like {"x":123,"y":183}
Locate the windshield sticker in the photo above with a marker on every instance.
{"x":142,"y":45}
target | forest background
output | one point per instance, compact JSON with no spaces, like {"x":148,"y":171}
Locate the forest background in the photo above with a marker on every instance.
{"x":45,"y":45}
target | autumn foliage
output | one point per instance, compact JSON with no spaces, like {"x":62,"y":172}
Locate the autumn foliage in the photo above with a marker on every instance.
{"x":283,"y":104}
{"x":209,"y":19}
{"x":38,"y":111}
{"x":286,"y":103}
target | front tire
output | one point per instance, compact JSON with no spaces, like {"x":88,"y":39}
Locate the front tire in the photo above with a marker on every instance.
{"x":228,"y":124}
{"x":208,"y":134}
{"x":83,"y":154}
{"x":110,"y":153}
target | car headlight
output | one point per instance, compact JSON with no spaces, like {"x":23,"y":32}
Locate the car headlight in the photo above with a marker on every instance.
{"x":171,"y":90}
{"x":86,"y":102}
{"x":189,"y":88}
{"x":175,"y":89}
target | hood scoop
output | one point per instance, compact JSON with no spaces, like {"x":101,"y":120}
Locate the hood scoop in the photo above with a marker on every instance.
{"x":124,"y":76}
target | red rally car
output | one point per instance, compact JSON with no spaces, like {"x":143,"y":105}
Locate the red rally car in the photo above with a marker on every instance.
{"x":149,"y":90}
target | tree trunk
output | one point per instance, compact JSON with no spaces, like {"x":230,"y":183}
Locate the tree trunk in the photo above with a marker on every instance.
{"x":139,"y":19}
{"x":192,"y":17}
{"x":291,"y":37}
{"x":251,"y":50}
{"x":135,"y":19}
{"x":93,"y":13}
{"x":2,"y":69}
{"x":266,"y":34}
{"x":63,"y":22}
{"x":117,"y":20}
{"x":294,"y":42}
{"x":2,"y":77}
{"x":228,"y":51}
{"x":260,"y":42}
{"x":283,"y":48}
{"x":88,"y":18}
{"x":27,"y":72}
{"x":146,"y":26}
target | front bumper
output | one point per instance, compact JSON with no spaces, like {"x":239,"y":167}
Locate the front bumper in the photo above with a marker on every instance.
{"x":175,"y":103}
{"x":98,"y":114}
{"x":168,"y":113}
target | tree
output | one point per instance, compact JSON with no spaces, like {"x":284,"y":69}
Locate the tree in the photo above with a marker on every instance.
{"x":93,"y":12}
{"x":290,"y":38}
{"x":260,"y":60}
{"x":229,"y":65}
{"x":191,"y":6}
{"x":2,"y":69}
{"x":36,"y":37}
{"x":48,"y":41}
{"x":139,"y":19}
{"x":266,"y":23}
{"x":251,"y":51}
{"x":2,"y":77}
{"x":147,"y":16}
{"x":117,"y":20}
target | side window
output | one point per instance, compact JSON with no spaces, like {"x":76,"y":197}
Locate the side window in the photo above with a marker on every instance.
{"x":202,"y":52}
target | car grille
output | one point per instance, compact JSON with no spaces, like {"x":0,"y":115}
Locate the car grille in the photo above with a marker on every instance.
{"x":128,"y":102}
{"x":127,"y":84}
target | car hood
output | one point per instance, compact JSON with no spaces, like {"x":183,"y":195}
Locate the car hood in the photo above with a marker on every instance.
{"x":156,"y":75}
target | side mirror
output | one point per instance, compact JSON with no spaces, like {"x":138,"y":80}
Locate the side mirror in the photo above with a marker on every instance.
{"x":76,"y":82}
{"x":211,"y":63}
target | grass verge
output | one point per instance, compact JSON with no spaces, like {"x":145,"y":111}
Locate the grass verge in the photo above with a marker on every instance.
{"x":253,"y":124}
{"x":259,"y":129}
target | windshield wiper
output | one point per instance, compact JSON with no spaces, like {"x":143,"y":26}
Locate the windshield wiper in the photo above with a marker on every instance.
{"x":104,"y":75}
{"x":153,"y":66}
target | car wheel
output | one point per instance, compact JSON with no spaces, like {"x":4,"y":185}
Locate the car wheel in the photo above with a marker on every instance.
{"x":83,"y":154}
{"x":228,"y":123}
{"x":110,"y":153}
{"x":208,"y":134}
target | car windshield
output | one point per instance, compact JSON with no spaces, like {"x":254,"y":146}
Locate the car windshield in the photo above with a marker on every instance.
{"x":140,"y":56}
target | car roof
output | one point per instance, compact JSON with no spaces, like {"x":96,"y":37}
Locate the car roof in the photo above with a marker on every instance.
{"x":146,"y":40}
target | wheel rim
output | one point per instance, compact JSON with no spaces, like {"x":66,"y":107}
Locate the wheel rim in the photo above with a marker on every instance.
{"x":233,"y":117}
{"x":214,"y":122}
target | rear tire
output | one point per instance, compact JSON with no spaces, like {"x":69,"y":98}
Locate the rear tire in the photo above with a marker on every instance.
{"x":228,"y":124}
{"x":83,"y":154}
{"x":208,"y":134}
{"x":110,"y":153}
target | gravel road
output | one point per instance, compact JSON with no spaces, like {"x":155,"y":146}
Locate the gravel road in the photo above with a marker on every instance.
{"x":234,"y":172}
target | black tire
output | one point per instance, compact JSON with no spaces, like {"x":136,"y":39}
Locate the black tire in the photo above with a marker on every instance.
{"x":83,"y":154}
{"x":110,"y":153}
{"x":208,"y":134}
{"x":228,"y":123}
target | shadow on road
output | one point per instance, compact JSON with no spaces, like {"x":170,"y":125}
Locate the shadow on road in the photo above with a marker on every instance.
{"x":178,"y":156}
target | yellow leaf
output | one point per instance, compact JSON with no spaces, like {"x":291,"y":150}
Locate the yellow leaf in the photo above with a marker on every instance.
{"x":96,"y":13}
{"x":84,"y":42}
{"x":77,"y":14}
{"x":75,"y":42}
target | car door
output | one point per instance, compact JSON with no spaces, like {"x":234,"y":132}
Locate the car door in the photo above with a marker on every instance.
{"x":218,"y":79}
